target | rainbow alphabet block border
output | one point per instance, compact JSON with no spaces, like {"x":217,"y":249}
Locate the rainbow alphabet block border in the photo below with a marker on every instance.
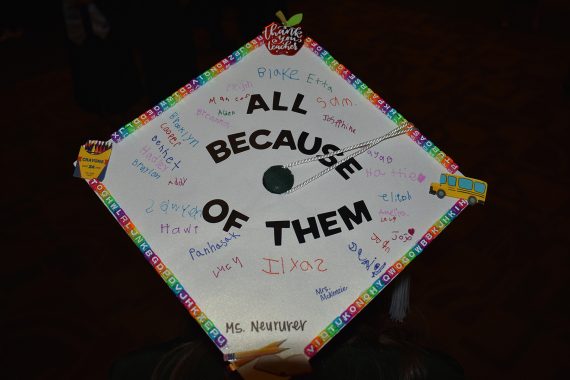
{"x":367,"y":295}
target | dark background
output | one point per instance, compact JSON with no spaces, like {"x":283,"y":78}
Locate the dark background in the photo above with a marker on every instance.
{"x":487,"y":81}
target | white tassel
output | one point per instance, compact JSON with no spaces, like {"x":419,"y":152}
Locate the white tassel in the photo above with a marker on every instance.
{"x":400,"y":299}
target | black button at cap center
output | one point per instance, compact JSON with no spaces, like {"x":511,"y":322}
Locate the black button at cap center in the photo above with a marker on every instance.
{"x":278,"y":179}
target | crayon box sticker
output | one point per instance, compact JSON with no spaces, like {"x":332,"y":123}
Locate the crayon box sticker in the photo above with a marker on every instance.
{"x":93,"y":159}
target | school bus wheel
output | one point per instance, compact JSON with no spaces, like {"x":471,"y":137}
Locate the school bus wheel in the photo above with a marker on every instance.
{"x":440,"y":194}
{"x":472,"y":201}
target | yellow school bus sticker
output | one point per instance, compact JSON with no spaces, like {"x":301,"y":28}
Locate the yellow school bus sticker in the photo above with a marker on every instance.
{"x":93,"y":159}
{"x":474,"y":191}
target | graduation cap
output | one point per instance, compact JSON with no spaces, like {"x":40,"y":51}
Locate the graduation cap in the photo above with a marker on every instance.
{"x":277,"y":195}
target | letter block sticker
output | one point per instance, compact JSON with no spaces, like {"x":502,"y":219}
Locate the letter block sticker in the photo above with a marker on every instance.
{"x":245,"y":192}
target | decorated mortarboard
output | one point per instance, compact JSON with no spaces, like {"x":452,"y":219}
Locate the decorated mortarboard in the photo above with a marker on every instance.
{"x":276,"y":194}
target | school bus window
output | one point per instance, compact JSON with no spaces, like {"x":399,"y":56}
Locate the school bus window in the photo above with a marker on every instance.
{"x":479,"y":187}
{"x":452,"y":181}
{"x":442,"y":179}
{"x":465,"y":183}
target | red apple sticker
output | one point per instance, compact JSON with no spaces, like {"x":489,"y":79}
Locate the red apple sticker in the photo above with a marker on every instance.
{"x":284,"y":39}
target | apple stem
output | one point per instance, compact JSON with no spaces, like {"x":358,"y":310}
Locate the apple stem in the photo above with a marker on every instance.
{"x":281,"y":17}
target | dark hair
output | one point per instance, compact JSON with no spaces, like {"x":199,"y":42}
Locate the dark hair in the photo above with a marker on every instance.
{"x":391,"y":356}
{"x":197,"y":359}
{"x":360,"y":357}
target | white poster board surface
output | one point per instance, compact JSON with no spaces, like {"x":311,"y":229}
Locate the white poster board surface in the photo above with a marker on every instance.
{"x":254,"y":268}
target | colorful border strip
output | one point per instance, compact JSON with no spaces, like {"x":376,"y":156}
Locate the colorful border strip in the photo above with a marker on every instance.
{"x":158,"y":265}
{"x":368,"y":295}
{"x":342,"y":320}
{"x":187,"y":89}
{"x":381,"y":104}
{"x":128,"y":129}
{"x":338,"y":323}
